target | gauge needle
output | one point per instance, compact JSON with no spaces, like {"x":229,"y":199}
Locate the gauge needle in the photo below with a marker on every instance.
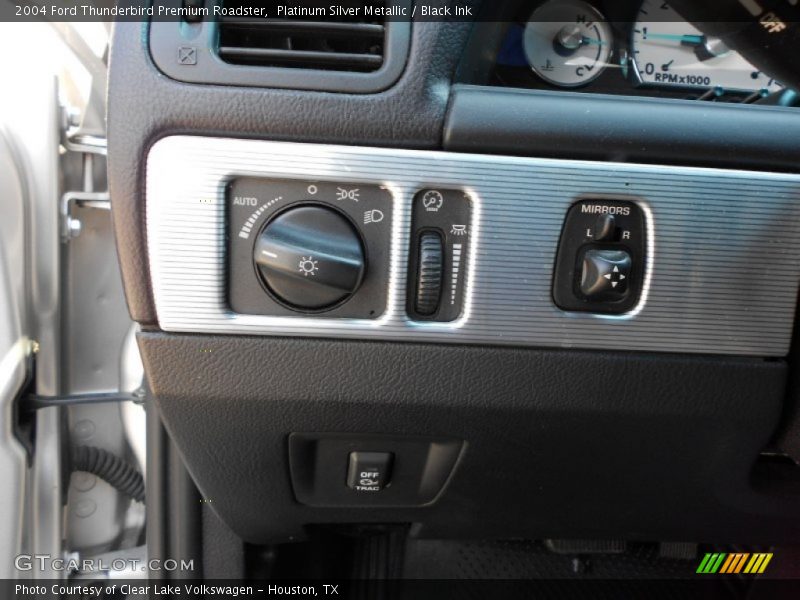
{"x":586,"y":41}
{"x":689,"y":40}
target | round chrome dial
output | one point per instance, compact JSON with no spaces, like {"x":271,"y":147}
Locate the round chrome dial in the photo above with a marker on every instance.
{"x":567,"y":42}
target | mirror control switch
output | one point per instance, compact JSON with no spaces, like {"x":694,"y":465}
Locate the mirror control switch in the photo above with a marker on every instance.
{"x":605,"y":274}
{"x":600,"y":265}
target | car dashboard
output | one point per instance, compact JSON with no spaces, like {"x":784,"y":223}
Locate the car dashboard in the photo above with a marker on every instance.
{"x":533,"y":272}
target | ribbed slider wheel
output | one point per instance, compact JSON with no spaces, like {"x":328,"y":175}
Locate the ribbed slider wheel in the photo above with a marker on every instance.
{"x":429,"y":274}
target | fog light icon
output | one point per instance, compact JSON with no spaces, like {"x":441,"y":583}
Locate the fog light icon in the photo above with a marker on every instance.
{"x":373,"y":216}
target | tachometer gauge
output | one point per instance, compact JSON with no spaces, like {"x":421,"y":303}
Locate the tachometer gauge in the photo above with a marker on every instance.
{"x":567,"y":42}
{"x":668,"y":51}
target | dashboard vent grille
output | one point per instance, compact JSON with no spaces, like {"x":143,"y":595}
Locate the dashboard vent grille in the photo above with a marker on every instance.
{"x":304,"y":43}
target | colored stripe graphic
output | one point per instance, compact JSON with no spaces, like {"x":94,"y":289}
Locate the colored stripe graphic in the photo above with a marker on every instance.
{"x":736,"y":562}
{"x":741,"y":563}
{"x":711,"y":562}
{"x":703,"y":564}
{"x":758,"y":563}
{"x":714,"y":567}
{"x":767,"y":558}
{"x":732,"y":558}
{"x":755,"y":562}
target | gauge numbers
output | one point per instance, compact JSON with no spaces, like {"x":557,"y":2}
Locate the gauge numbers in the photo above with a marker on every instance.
{"x":567,"y":42}
{"x":668,"y":51}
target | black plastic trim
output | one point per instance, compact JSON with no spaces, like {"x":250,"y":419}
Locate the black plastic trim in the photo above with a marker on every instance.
{"x":174,"y":511}
{"x":561,"y":444}
{"x":604,"y":127}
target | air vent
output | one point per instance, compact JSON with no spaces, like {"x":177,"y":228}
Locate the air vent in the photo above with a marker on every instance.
{"x":303,"y":43}
{"x":357,"y":55}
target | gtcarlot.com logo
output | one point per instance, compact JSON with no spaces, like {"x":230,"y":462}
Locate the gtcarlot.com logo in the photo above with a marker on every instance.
{"x":46,"y":562}
{"x":736,"y":562}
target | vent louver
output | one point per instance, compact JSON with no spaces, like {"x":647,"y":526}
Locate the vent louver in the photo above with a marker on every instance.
{"x":340,"y":44}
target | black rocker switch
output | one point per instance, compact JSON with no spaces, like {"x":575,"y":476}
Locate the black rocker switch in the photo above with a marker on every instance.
{"x":605,"y":273}
{"x":369,"y":471}
{"x":604,"y":228}
{"x":601,"y":259}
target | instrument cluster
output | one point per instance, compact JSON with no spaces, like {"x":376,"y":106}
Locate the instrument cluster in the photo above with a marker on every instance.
{"x":635,"y":47}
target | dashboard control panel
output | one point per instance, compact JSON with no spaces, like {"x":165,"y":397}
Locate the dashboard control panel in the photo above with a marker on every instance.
{"x":315,"y":247}
{"x":373,"y":243}
{"x":601,"y":257}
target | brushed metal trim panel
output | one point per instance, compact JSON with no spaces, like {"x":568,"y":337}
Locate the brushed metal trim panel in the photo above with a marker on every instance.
{"x":723,"y":259}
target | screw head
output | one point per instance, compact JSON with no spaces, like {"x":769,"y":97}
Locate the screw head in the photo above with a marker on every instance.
{"x":74,"y":227}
